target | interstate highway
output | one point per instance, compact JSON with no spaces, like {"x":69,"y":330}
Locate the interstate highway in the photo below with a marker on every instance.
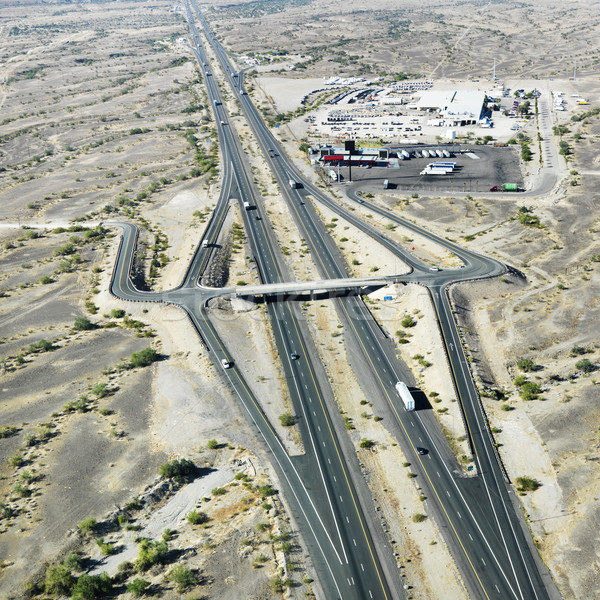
{"x":504,"y":565}
{"x":335,"y":530}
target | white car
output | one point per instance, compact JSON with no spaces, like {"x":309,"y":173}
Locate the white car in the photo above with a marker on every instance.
{"x":434,"y":269}
{"x":225,"y":363}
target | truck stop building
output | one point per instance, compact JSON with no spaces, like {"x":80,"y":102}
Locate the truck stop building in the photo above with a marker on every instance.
{"x":454,"y":107}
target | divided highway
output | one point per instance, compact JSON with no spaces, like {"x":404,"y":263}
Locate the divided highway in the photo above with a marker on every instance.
{"x":485,"y":532}
{"x":476,"y":514}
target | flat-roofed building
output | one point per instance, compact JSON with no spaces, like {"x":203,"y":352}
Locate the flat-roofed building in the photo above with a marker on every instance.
{"x":455,"y":107}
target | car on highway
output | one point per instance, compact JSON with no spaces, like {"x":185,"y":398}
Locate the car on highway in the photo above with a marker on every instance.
{"x":421,"y":451}
{"x":226,"y":364}
{"x":294,"y":356}
{"x":222,"y":122}
{"x":434,"y":269}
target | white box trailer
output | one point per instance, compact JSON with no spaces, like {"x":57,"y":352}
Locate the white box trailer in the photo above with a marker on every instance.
{"x":405,"y":395}
{"x":405,"y":154}
{"x":437,"y":171}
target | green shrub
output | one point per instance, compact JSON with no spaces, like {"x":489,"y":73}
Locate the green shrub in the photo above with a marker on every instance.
{"x":83,"y":324}
{"x":526,"y":365}
{"x":585,"y":365}
{"x":87,"y":525}
{"x":527,"y":484}
{"x":408,"y":321}
{"x":22,"y":491}
{"x":365,"y":443}
{"x":143,"y":358}
{"x":265,"y":491}
{"x":287,"y":419}
{"x":212,"y":444}
{"x":196,"y":517}
{"x":150,"y":553}
{"x":58,"y":581}
{"x":418,"y":518}
{"x":177,"y":469}
{"x":16,"y":461}
{"x":105,"y":549}
{"x":73,"y":562}
{"x":90,"y":587}
{"x":137,"y":587}
{"x":182,"y":577}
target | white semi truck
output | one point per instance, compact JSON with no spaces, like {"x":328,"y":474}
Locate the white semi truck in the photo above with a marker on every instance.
{"x":405,"y":395}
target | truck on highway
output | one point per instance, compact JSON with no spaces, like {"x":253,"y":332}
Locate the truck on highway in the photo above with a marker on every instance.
{"x":405,"y":395}
{"x":386,"y":184}
{"x":205,"y":243}
{"x":506,"y":187}
{"x":333,"y":175}
{"x":216,"y":102}
{"x":293,"y":184}
{"x":247,"y":205}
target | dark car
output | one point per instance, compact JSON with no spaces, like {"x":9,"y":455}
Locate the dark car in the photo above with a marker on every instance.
{"x":421,"y":451}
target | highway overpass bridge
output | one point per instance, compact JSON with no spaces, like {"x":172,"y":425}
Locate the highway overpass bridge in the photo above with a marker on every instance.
{"x":363,"y":285}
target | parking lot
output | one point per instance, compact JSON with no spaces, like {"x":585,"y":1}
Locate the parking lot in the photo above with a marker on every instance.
{"x":492,"y":166}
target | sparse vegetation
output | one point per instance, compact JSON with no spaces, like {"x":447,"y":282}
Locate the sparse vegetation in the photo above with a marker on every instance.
{"x":177,"y":469}
{"x":527,"y":484}
{"x":196,"y":517}
{"x":87,"y":525}
{"x":287,"y":419}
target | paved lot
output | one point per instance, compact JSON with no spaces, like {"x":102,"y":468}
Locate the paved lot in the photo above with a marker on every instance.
{"x":493,"y":167}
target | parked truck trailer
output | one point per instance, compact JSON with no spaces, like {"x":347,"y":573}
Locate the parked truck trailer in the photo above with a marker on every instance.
{"x":506,"y":187}
{"x":405,"y":395}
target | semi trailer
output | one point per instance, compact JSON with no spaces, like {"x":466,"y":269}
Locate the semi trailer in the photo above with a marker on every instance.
{"x":405,"y":395}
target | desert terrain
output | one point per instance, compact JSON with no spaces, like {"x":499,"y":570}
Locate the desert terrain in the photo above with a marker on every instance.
{"x":104,"y":118}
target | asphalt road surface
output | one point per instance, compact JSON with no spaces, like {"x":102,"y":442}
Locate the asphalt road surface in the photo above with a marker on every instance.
{"x":476,"y":514}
